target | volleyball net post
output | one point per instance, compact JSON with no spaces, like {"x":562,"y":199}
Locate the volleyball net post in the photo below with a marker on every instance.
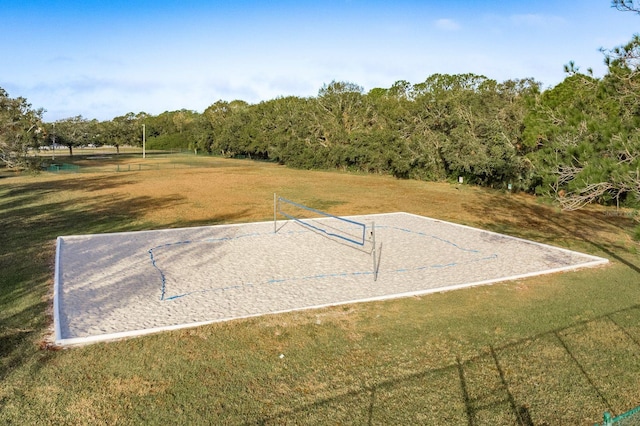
{"x":275,"y":213}
{"x":340,"y":229}
{"x":374,"y":252}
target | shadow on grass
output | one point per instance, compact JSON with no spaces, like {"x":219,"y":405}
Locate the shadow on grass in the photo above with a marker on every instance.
{"x":544,"y":224}
{"x":501,"y":394}
{"x":236,"y":217}
{"x":20,"y":332}
{"x":8,"y":342}
{"x":32,"y":216}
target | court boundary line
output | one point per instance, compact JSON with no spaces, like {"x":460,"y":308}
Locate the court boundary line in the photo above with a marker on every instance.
{"x":81,"y":341}
{"x":161,"y":270}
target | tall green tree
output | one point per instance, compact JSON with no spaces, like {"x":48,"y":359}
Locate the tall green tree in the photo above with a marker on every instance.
{"x":224,"y":122}
{"x":21,"y":131}
{"x":586,"y":132}
{"x":625,"y":6}
{"x":467,"y":125}
{"x":285,"y":129}
{"x":72,"y":132}
{"x":335,"y":115}
{"x":343,"y":123}
{"x":123,"y":130}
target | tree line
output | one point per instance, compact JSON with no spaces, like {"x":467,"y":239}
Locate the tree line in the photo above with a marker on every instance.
{"x":577,"y":142}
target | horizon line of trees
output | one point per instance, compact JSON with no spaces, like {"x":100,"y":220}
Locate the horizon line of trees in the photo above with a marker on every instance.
{"x":578,"y":142}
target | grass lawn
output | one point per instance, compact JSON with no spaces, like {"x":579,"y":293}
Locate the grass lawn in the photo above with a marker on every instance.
{"x":556,"y":349}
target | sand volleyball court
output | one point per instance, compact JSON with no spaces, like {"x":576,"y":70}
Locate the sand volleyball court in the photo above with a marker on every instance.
{"x":112,"y":286}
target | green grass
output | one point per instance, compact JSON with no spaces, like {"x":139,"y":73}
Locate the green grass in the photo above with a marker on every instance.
{"x":559,"y":349}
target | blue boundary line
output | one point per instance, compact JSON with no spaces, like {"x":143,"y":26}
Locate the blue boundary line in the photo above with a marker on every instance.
{"x":330,"y":275}
{"x":209,"y":240}
{"x":310,"y":277}
{"x":431,"y":236}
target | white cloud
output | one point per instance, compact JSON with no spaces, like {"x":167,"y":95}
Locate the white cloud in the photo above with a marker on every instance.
{"x":447,"y":24}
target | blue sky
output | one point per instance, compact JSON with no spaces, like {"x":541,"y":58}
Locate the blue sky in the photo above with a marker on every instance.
{"x":102,"y":59}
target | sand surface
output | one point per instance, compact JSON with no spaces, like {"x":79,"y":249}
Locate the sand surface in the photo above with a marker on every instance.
{"x":110,"y":286}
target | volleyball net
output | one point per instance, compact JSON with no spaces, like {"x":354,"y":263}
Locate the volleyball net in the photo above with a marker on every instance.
{"x":336,"y":228}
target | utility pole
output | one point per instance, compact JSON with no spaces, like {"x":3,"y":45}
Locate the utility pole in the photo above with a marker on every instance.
{"x":144,"y":141}
{"x":53,"y":146}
